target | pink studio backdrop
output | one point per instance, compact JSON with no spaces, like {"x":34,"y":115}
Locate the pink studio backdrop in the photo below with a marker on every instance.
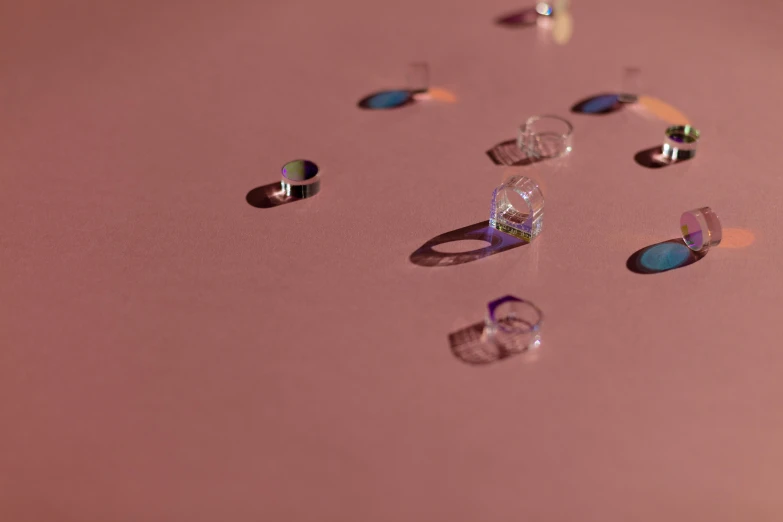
{"x":170,"y":353}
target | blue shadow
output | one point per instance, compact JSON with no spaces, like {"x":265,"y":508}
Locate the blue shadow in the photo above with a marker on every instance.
{"x":384,"y":100}
{"x":662,"y":257}
{"x":598,"y":104}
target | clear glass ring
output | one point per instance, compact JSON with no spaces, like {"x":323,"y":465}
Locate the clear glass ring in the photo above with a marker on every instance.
{"x":701,"y":229}
{"x":518,"y":208}
{"x":547,"y":136}
{"x":514,"y":323}
{"x":681,"y":141}
{"x":300,"y":179}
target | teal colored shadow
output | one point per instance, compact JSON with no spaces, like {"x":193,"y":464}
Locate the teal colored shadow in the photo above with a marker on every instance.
{"x":662,"y":257}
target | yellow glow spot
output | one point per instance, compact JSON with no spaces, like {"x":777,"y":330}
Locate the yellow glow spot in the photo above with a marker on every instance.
{"x":737,"y":238}
{"x":563,"y":27}
{"x":441,"y":95}
{"x":662,"y":110}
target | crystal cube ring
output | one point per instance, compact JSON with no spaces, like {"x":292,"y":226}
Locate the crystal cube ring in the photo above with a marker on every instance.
{"x":701,"y":229}
{"x":513,"y":323}
{"x":300,"y":179}
{"x":518,"y":208}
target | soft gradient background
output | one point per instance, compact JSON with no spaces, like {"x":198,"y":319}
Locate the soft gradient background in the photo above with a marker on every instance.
{"x":170,"y":353}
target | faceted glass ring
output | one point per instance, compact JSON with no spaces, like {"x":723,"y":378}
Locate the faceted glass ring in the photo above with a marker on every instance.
{"x":513,"y":323}
{"x":518,"y":208}
{"x":544,"y":137}
{"x":701,"y":229}
{"x":680,"y":142}
{"x":300,"y":179}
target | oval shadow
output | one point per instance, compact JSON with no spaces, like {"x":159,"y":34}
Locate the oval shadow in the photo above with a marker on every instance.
{"x":426,"y":255}
{"x":508,"y":153}
{"x":385,"y":100}
{"x":662,"y":257}
{"x":653,"y":158}
{"x":599,"y":104}
{"x":523,"y":18}
{"x":268,"y":196}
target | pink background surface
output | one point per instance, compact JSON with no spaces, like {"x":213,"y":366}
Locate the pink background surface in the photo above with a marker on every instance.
{"x":170,"y":353}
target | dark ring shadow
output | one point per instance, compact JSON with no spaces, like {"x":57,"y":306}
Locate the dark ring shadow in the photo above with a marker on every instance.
{"x":386,"y":100}
{"x":653,"y":158}
{"x":269,"y":196}
{"x":662,"y":257}
{"x":469,"y":346}
{"x":524,"y":18}
{"x":508,"y":153}
{"x":426,"y":255}
{"x":605,"y":103}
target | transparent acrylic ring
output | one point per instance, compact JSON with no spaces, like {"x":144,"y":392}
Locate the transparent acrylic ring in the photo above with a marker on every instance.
{"x":300,"y":179}
{"x":630,"y":85}
{"x":701,"y":229}
{"x":518,"y":208}
{"x":546,"y":136}
{"x":514,"y":323}
{"x":418,"y":77}
{"x":681,"y":141}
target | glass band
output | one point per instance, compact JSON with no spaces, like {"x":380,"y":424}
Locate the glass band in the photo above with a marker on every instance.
{"x":681,"y":141}
{"x":701,"y":229}
{"x":300,"y":179}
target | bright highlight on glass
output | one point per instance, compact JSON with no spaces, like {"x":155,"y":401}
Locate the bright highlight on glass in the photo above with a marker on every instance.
{"x":545,"y":137}
{"x":513,"y":323}
{"x":300,"y":178}
{"x":701,"y":229}
{"x":681,"y":141}
{"x":518,"y":208}
{"x":543,"y":8}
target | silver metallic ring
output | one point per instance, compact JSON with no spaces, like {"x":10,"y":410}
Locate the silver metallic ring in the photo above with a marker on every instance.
{"x":680,"y":142}
{"x":300,"y":179}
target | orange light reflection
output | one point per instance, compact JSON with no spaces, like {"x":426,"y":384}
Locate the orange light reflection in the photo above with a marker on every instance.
{"x":737,"y":238}
{"x":439,"y":94}
{"x":662,"y":110}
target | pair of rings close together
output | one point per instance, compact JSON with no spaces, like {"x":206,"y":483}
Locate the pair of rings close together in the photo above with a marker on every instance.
{"x":518,"y":204}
